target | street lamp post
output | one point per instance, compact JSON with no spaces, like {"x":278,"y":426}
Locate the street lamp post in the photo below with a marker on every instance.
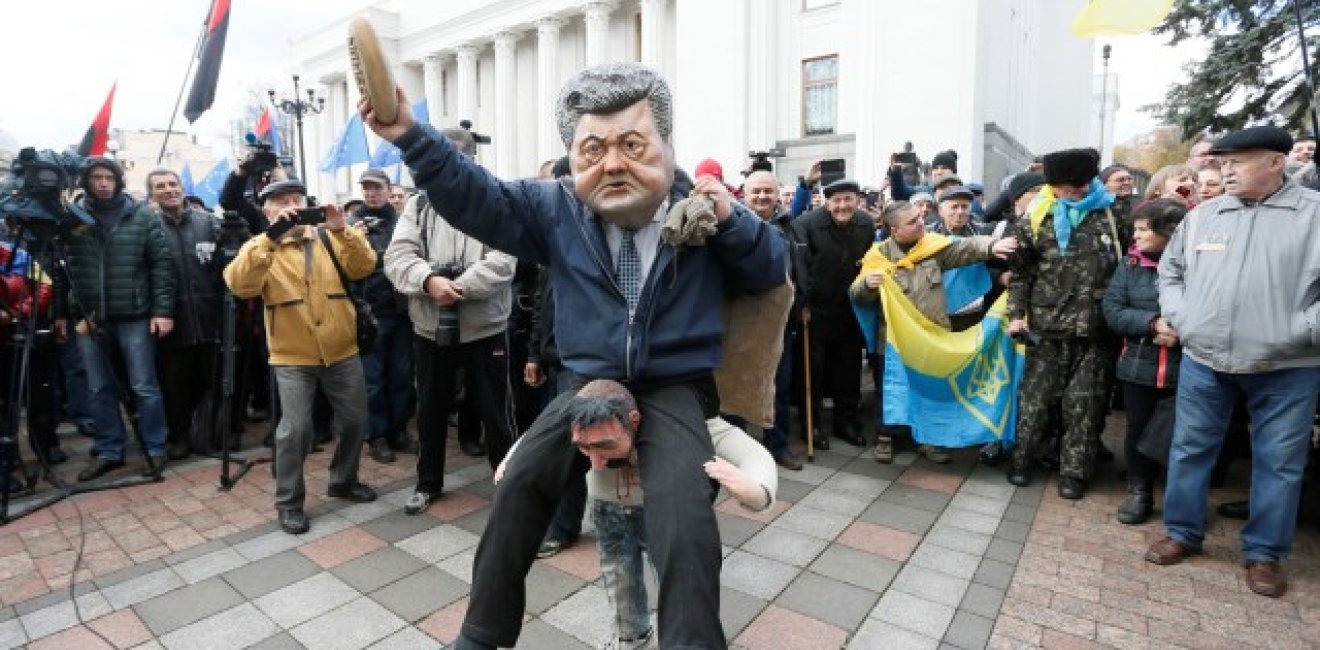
{"x":297,"y":107}
{"x":1104,"y":97}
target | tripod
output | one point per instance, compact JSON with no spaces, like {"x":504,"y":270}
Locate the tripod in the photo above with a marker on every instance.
{"x":43,"y":236}
{"x":233,"y":231}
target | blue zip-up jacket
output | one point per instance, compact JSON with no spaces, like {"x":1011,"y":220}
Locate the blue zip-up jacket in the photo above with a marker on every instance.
{"x":678,"y":329}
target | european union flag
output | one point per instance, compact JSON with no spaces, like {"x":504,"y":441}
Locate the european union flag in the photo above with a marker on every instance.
{"x":955,"y":389}
{"x":387,"y":154}
{"x":209,"y":189}
{"x":350,"y":148}
{"x":186,"y":179}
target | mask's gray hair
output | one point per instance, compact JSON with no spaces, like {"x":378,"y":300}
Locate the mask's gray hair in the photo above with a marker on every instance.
{"x":599,"y":402}
{"x":610,"y":88}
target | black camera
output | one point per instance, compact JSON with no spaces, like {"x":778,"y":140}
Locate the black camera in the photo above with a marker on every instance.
{"x":373,"y":223}
{"x":446,"y":328}
{"x":761,"y":160}
{"x":311,"y":216}
{"x":35,"y":191}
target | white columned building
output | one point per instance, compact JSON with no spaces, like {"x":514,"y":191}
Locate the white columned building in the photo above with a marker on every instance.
{"x":854,"y":79}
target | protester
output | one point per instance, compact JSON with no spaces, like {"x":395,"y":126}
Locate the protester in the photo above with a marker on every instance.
{"x":1201,"y":156}
{"x":388,"y":367}
{"x":1177,"y":182}
{"x":25,"y":288}
{"x":835,"y":239}
{"x":1238,"y":287}
{"x":398,"y":197}
{"x":311,"y":331}
{"x":459,"y":299}
{"x":1209,"y":183}
{"x":186,"y":357}
{"x":1147,"y":368}
{"x":955,"y":211}
{"x":1069,"y":251}
{"x":119,"y":294}
{"x":916,"y":260}
{"x":615,"y":121}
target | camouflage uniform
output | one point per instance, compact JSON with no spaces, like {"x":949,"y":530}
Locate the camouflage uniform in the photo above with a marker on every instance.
{"x":1060,"y":297}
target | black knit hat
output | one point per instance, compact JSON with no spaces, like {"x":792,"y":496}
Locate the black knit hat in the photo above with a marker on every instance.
{"x":946,"y":159}
{"x":85,"y":179}
{"x":1023,"y":183}
{"x":1072,"y":166}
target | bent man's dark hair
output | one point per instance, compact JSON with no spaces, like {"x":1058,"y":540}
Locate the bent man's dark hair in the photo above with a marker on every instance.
{"x":599,"y":402}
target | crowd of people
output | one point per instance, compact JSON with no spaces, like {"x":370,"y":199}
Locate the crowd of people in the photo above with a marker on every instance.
{"x":551,"y":322}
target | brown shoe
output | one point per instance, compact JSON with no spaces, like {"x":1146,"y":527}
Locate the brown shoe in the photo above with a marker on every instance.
{"x":1266,"y":578}
{"x":1169,"y":551}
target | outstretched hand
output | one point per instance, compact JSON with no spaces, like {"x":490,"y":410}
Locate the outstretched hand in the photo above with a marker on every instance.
{"x":390,"y":132}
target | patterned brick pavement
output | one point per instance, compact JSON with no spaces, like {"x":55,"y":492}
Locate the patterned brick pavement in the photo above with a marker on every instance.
{"x":855,"y":554}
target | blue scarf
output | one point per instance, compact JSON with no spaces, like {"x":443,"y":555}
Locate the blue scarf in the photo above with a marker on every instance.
{"x":1069,"y":214}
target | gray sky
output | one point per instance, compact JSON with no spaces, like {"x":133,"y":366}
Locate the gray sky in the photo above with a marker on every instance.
{"x":63,"y":55}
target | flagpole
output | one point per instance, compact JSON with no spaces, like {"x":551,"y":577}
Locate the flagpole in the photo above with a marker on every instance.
{"x":179,"y":100}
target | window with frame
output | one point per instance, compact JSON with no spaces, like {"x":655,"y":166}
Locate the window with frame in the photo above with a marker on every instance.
{"x":820,"y":93}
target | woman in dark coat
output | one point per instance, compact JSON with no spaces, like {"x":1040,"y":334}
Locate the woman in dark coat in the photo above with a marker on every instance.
{"x":1148,"y":364}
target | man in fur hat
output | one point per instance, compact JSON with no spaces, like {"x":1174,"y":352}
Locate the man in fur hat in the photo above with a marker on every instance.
{"x":1069,"y":249}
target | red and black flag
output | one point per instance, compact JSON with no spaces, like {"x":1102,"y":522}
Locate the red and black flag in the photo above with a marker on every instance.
{"x":93,"y":142}
{"x":208,"y":68}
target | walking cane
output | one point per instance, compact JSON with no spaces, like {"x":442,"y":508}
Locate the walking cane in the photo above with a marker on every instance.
{"x":806,"y":361}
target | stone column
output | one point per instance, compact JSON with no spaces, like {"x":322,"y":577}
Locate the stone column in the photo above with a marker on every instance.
{"x":467,"y":81}
{"x":506,"y":105}
{"x":598,"y":31}
{"x":653,"y":30}
{"x":432,"y":75}
{"x":548,"y":143}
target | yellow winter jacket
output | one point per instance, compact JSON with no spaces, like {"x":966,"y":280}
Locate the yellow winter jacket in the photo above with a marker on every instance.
{"x":309,"y":319}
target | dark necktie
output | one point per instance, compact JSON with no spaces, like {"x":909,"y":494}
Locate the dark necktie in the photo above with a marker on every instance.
{"x":629,"y":270}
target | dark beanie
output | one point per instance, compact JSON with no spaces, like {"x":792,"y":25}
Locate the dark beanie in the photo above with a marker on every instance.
{"x":85,"y":180}
{"x":561,"y":168}
{"x":1072,"y":166}
{"x":1023,"y":183}
{"x":946,"y":159}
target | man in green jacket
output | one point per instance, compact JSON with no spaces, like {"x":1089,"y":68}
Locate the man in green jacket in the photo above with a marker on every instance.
{"x":119,"y":293}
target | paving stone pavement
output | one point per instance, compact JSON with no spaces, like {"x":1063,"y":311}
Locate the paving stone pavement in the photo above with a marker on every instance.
{"x":855,"y":554}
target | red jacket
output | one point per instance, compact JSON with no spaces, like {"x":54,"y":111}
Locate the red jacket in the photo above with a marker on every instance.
{"x":16,"y":287}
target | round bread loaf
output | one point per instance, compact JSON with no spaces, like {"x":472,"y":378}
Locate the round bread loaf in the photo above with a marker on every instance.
{"x":375,"y":81}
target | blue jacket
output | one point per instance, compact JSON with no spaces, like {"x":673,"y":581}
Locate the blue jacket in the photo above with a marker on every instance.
{"x":678,"y":328}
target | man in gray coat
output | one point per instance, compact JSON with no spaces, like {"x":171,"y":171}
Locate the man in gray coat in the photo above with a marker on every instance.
{"x":1240,"y":286}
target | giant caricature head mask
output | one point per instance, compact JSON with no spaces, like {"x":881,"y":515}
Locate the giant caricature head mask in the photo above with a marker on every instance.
{"x":615,"y":120}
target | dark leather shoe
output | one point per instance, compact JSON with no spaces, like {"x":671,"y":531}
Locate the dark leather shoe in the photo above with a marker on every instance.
{"x":474,"y":449}
{"x":787,"y":460}
{"x":1234,"y":510}
{"x":294,"y":521}
{"x":156,"y":466}
{"x":381,"y":452}
{"x":1266,"y":578}
{"x":1169,"y":551}
{"x":1136,"y":507}
{"x":1071,"y":488}
{"x":99,"y":467}
{"x":1019,"y":475}
{"x":356,"y":492}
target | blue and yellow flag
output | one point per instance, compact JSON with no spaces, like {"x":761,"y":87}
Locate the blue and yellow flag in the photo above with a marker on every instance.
{"x":955,"y":389}
{"x":1119,"y":17}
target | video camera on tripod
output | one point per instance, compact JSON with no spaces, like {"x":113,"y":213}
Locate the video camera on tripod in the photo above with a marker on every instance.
{"x":260,"y":163}
{"x":37,"y":192}
{"x":761,"y":160}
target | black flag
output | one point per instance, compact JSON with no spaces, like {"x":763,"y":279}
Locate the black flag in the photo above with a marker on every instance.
{"x":208,"y":69}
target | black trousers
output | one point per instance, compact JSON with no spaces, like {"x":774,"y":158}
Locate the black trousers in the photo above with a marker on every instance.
{"x":42,"y":405}
{"x":672,"y":444}
{"x":836,"y":366}
{"x":486,"y":371}
{"x":1139,"y":402}
{"x":185,"y":374}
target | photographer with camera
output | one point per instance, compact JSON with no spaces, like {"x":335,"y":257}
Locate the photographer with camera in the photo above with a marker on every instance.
{"x":120,"y":295}
{"x":258,"y":169}
{"x":459,"y":298}
{"x":311,"y":331}
{"x":186,"y":359}
{"x":389,"y":366}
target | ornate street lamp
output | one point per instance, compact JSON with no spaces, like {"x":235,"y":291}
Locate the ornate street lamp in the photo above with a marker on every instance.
{"x":298,"y":107}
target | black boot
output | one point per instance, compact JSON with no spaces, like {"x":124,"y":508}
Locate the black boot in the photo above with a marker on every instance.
{"x":1137,"y":506}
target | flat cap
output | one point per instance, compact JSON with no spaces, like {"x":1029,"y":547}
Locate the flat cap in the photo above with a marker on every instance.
{"x":947,"y":179}
{"x":1269,"y":138}
{"x":842,"y":185}
{"x":957,"y":192}
{"x":281,"y":187}
{"x":921,"y":196}
{"x":374,"y":176}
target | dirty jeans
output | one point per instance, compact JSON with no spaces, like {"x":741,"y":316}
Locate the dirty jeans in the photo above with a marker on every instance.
{"x":621,"y":538}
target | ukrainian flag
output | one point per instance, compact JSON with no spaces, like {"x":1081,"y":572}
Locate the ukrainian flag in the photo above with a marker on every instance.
{"x":955,"y":389}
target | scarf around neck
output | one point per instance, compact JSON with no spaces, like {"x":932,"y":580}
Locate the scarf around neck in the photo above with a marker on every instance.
{"x":1068,"y":214}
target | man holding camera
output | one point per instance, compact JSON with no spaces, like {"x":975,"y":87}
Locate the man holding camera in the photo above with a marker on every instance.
{"x":120,"y":294}
{"x":459,"y":298}
{"x":388,"y":367}
{"x":311,"y":331}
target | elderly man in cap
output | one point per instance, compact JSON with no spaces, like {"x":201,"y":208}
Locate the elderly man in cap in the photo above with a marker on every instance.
{"x":1240,"y":288}
{"x":1069,"y":251}
{"x":311,"y":331}
{"x":626,"y":308}
{"x":836,"y":237}
{"x":389,"y":366}
{"x":955,"y":209}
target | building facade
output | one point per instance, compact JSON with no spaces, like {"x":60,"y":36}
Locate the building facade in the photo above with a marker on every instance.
{"x":996,"y":80}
